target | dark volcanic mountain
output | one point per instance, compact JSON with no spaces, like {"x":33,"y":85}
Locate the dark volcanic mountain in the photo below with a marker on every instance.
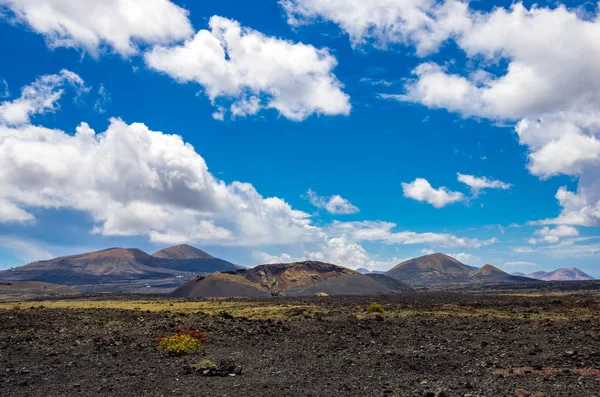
{"x":390,"y":282}
{"x":120,"y":265}
{"x":431,"y":269}
{"x":443,"y":269}
{"x":183,"y":251}
{"x":563,"y":274}
{"x":489,"y":273}
{"x":292,"y":279}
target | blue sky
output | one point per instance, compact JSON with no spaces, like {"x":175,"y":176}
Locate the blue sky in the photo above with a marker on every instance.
{"x":369,"y":127}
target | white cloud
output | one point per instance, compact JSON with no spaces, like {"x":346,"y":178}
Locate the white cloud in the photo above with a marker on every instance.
{"x":262,"y":258}
{"x":427,"y":251}
{"x":466,"y":258}
{"x":39,"y":97}
{"x":523,"y":250}
{"x":10,"y":213}
{"x":219,"y":114}
{"x":165,"y":192}
{"x":334,"y":204}
{"x":120,"y":25}
{"x":337,"y":250}
{"x":550,"y":88}
{"x":424,"y":23}
{"x":578,"y":209}
{"x":164,"y":189}
{"x":553,"y":235}
{"x":383,"y":232}
{"x":103,"y":99}
{"x":519,"y":264}
{"x":6,"y":91}
{"x":255,"y":72}
{"x":477,"y":184}
{"x":421,"y":190}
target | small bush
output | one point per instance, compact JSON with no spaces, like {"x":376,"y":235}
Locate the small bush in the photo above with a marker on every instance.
{"x":375,"y":308}
{"x":16,"y":308}
{"x":183,"y":342}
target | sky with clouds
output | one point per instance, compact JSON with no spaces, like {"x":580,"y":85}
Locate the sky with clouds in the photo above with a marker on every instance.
{"x":353,"y":132}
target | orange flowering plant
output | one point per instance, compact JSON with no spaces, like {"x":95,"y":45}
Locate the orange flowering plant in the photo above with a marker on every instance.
{"x":183,"y":342}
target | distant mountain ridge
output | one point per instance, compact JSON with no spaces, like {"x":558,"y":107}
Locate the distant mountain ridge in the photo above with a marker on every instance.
{"x":443,"y":269}
{"x":291,"y":279}
{"x":562,"y":274}
{"x":120,"y":265}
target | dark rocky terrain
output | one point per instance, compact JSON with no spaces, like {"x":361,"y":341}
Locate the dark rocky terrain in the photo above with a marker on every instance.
{"x":425,"y":344}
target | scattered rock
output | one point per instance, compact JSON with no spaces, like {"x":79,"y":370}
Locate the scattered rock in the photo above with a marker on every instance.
{"x":522,"y":393}
{"x":570,"y":353}
{"x":225,"y":368}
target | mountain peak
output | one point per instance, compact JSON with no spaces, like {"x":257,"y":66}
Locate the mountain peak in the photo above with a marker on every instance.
{"x":487,"y":271}
{"x":182,"y":251}
{"x":562,"y":274}
{"x":431,"y":269}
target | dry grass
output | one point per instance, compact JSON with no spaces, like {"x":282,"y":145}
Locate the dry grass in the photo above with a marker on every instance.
{"x":258,"y":310}
{"x":274,"y":309}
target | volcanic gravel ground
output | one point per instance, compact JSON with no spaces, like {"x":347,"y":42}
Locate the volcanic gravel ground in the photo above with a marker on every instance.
{"x":111,"y":352}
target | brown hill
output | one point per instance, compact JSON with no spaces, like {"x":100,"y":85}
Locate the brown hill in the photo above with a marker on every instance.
{"x":443,"y":269}
{"x":292,"y":279}
{"x":119,"y":265}
{"x":491,"y":273}
{"x":183,"y":251}
{"x":431,"y":269}
{"x":33,"y":288}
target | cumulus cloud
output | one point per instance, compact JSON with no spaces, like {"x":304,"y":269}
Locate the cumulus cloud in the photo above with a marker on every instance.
{"x":119,"y":25}
{"x":337,"y":250}
{"x":421,"y":190}
{"x":578,"y":209}
{"x":334,"y":204}
{"x":165,"y":191}
{"x":424,"y":23}
{"x":263,"y":258}
{"x":39,"y":97}
{"x":477,"y":184}
{"x":553,"y":235}
{"x":10,"y":213}
{"x":549,"y":88}
{"x":252,"y":72}
{"x":465,"y":257}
